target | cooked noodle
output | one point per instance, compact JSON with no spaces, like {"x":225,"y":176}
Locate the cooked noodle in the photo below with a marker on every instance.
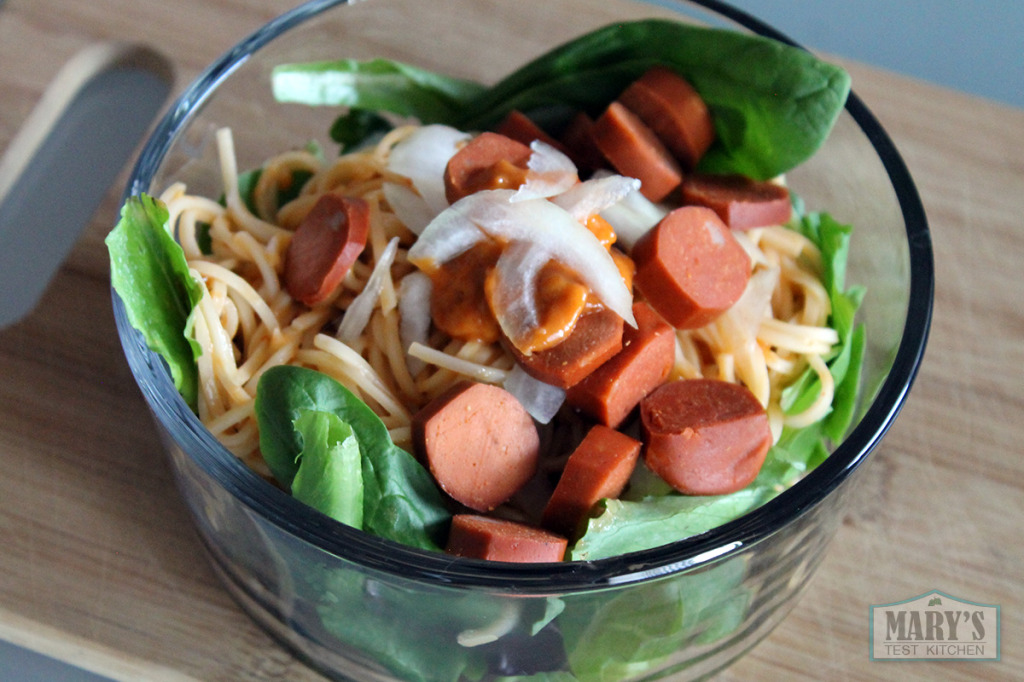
{"x":247,"y":323}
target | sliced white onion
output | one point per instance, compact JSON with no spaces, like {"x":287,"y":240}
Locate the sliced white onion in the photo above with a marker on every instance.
{"x":357,"y":315}
{"x":410,"y":207}
{"x":549,"y":172}
{"x":422,"y":158}
{"x":541,"y":400}
{"x":514,"y":303}
{"x":414,"y":315}
{"x":448,"y":235}
{"x":632,"y":217}
{"x":595,"y":195}
{"x":537,"y":221}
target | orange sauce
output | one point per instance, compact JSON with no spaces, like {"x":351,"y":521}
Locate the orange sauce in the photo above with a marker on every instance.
{"x":560,"y":300}
{"x":462,"y":286}
{"x":458,"y":304}
{"x":601,"y":229}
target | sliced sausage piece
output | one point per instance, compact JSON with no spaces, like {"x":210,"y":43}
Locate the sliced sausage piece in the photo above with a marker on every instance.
{"x":488,"y":161}
{"x":690,"y":267}
{"x":521,"y":128}
{"x":676,"y":113}
{"x":324,"y":246}
{"x":635,"y":151}
{"x":579,"y":145}
{"x":742,"y":203}
{"x":598,"y":468}
{"x":483,"y":537}
{"x":595,"y":338}
{"x":612,"y":390}
{"x":479,"y":443}
{"x":704,"y":436}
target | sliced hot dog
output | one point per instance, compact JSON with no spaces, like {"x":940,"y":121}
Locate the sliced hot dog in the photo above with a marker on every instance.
{"x":704,"y":436}
{"x":483,"y":537}
{"x":676,"y":113}
{"x":579,"y":145}
{"x":595,"y":338}
{"x":521,"y":128}
{"x":690,"y":267}
{"x":598,"y":468}
{"x":612,"y":390}
{"x":488,"y":161}
{"x":479,"y":443}
{"x":324,"y":246}
{"x":742,"y":203}
{"x":635,"y":151}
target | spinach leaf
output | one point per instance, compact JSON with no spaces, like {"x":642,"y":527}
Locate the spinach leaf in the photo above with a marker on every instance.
{"x":421,"y":634}
{"x":400,"y":500}
{"x":329,"y":477}
{"x":627,"y":526}
{"x":837,"y":423}
{"x":247,"y":187}
{"x":408,"y":632}
{"x":149,"y":272}
{"x":833,"y":238}
{"x":373,"y":85}
{"x":609,"y":637}
{"x":772,"y":104}
{"x":357,"y":127}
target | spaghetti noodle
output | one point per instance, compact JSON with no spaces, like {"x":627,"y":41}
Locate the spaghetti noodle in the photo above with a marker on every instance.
{"x":247,"y":322}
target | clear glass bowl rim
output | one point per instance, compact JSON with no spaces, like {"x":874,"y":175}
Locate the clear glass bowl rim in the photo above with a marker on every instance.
{"x":379,"y":554}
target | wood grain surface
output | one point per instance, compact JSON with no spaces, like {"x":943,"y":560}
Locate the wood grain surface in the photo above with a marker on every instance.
{"x":100,"y":567}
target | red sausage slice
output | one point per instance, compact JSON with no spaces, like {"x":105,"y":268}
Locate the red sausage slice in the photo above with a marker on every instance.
{"x":483,"y":537}
{"x":689,"y":267}
{"x":742,"y":203}
{"x":479,"y":443}
{"x":676,"y":113}
{"x":611,"y":391}
{"x":595,"y":338}
{"x":703,"y":436}
{"x":579,"y":145}
{"x":324,"y":247}
{"x":598,"y":468}
{"x":488,"y":161}
{"x":635,"y":151}
{"x":521,"y":128}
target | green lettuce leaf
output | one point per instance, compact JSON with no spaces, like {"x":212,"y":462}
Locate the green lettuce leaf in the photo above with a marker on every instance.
{"x":623,"y":526}
{"x":329,"y":477}
{"x":401,"y":502}
{"x":611,"y":637}
{"x":373,"y":85}
{"x":149,"y":273}
{"x":773,"y":104}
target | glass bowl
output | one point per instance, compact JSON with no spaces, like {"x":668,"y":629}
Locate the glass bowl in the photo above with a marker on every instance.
{"x":359,"y":607}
